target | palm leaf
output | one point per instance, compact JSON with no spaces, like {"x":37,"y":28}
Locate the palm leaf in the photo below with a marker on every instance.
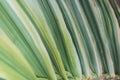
{"x":59,"y":39}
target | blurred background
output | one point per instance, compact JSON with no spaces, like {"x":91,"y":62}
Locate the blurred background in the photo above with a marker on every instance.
{"x":118,"y":1}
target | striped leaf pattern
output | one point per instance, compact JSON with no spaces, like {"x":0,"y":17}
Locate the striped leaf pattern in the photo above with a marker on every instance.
{"x":59,"y":39}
